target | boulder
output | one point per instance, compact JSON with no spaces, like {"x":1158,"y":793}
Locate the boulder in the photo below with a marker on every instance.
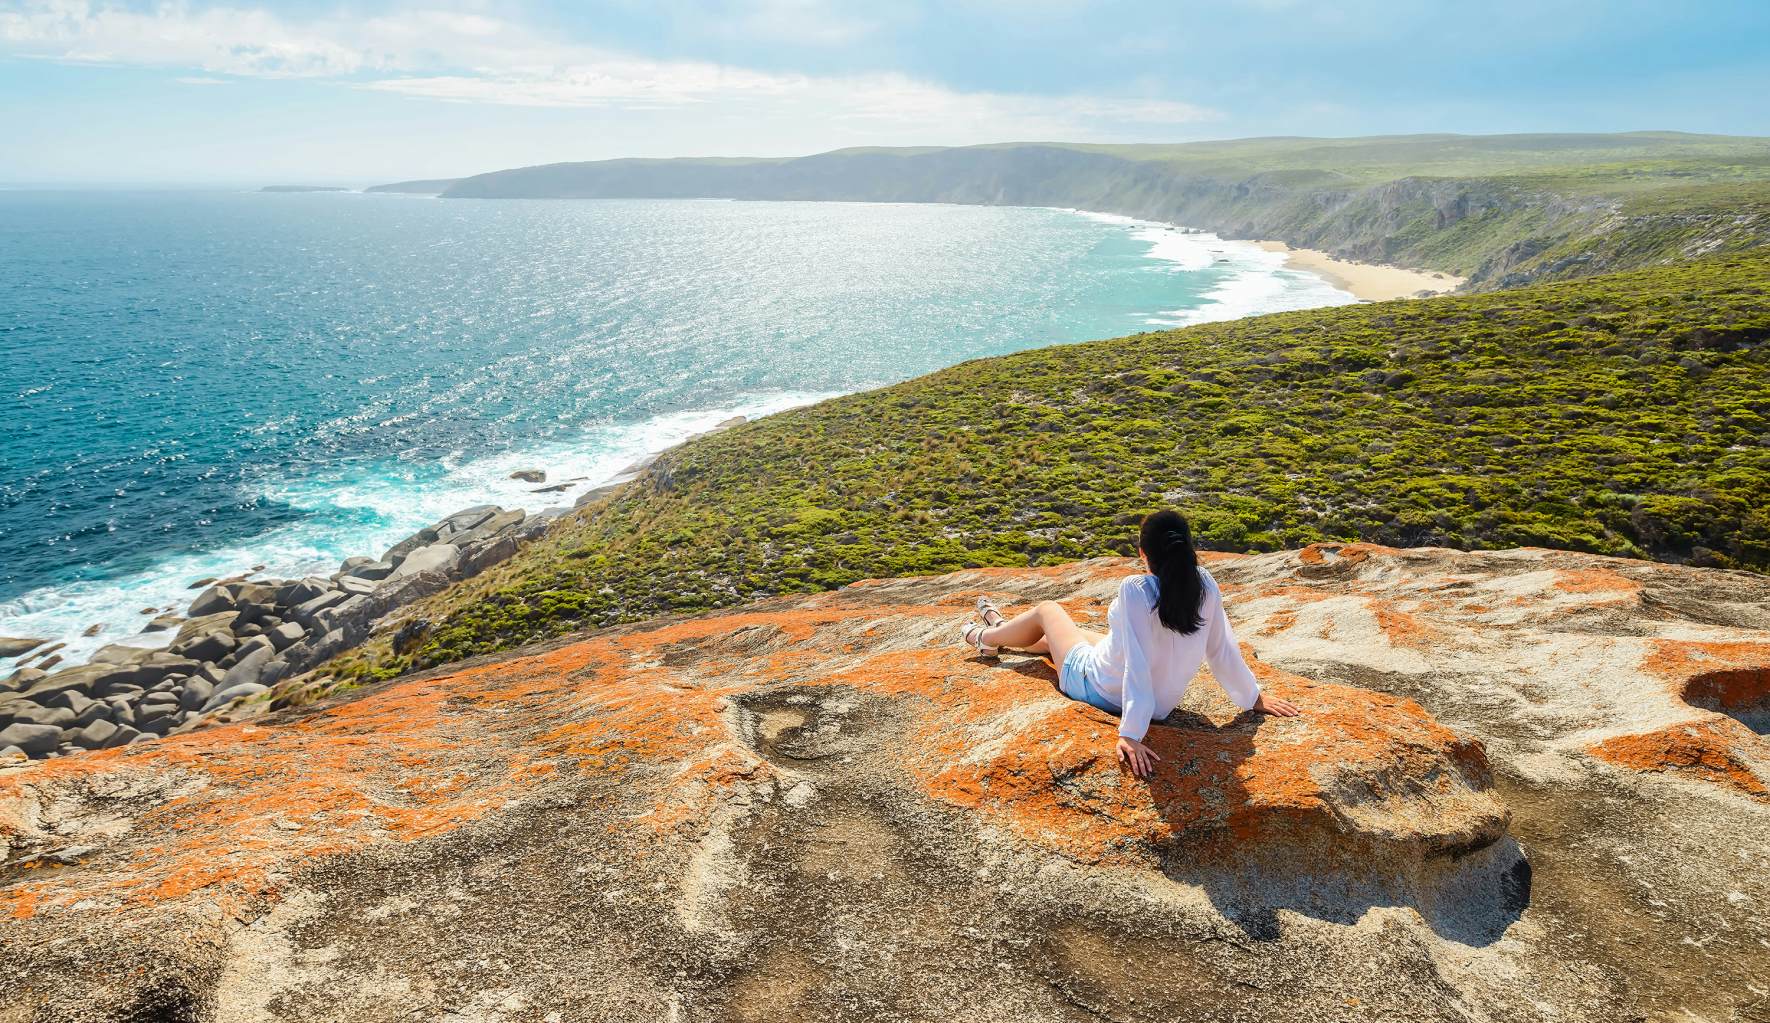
{"x":35,"y":714}
{"x":373,"y":571}
{"x":529,"y":475}
{"x":117,"y":653}
{"x":223,"y":697}
{"x":397,"y":553}
{"x":499,"y":523}
{"x":482,"y":556}
{"x":440,"y":558}
{"x":206,"y":639}
{"x":305,"y":612}
{"x":214,"y":600}
{"x":350,"y":565}
{"x":355,"y":585}
{"x":299,"y":591}
{"x":466,"y":518}
{"x":23,"y":677}
{"x":83,"y":679}
{"x":195,"y":693}
{"x":164,"y":623}
{"x":32,"y":738}
{"x":95,"y":735}
{"x":285,"y":634}
{"x":249,"y":662}
{"x":15,"y":646}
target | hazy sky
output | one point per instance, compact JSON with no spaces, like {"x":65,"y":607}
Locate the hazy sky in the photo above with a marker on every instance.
{"x":362,"y":93}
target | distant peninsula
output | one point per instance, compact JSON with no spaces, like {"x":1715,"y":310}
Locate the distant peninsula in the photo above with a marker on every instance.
{"x":433,"y":186}
{"x":1499,"y":210}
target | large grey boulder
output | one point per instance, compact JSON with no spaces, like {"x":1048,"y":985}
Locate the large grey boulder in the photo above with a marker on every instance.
{"x":492,"y":526}
{"x":195,"y":693}
{"x":23,"y":677}
{"x":285,"y":634}
{"x":353,"y":585}
{"x":223,"y":697}
{"x":374,"y":571}
{"x":31,"y":738}
{"x":35,"y":714}
{"x":251,"y":658}
{"x":213,"y":600}
{"x":83,"y":679}
{"x":16,"y":646}
{"x":206,"y":639}
{"x":299,"y":591}
{"x":163,"y":623}
{"x":94,"y":735}
{"x":465,"y":519}
{"x":439,"y":557}
{"x":117,"y":653}
{"x":397,"y":553}
{"x":482,"y":556}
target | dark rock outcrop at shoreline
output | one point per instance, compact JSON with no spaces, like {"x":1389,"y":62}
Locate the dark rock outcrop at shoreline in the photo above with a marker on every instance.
{"x":240,"y":637}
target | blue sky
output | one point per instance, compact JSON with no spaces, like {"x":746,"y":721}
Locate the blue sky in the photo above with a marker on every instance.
{"x":97,"y":92}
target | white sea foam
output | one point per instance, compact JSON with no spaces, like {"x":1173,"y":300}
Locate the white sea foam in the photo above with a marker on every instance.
{"x":1246,"y":280}
{"x":361,"y":509}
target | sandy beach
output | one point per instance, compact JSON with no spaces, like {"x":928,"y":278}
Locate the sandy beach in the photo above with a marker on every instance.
{"x":1369,"y":281}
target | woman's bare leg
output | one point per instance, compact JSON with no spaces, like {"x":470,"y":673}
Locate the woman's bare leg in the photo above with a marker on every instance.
{"x":1045,"y":623}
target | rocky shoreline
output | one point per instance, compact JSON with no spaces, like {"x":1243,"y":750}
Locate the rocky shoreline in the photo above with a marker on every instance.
{"x":239,"y":637}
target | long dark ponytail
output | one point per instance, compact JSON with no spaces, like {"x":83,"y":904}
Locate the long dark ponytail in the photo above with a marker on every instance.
{"x":1166,"y":540}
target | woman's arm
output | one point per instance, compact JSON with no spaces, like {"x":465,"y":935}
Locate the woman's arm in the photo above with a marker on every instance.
{"x":1129,"y":618}
{"x":1231,"y":669}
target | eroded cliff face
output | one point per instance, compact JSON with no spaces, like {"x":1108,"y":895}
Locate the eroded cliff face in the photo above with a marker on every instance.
{"x":1527,"y":785}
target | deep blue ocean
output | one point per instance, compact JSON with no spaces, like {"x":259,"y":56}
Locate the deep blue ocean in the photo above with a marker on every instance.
{"x":197,"y":383}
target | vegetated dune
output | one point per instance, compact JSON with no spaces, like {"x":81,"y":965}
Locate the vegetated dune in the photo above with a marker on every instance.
{"x":1500,"y":210}
{"x":1527,"y":785}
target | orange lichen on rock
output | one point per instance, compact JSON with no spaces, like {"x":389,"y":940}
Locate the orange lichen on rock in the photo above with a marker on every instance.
{"x":1715,"y":679}
{"x":1596,"y":580}
{"x":1716,"y":749}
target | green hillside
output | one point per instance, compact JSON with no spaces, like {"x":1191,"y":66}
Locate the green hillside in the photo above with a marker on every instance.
{"x":1502,"y":210}
{"x":1626,"y":414}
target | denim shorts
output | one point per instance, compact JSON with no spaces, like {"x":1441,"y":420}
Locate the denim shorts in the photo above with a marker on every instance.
{"x":1076,"y":679}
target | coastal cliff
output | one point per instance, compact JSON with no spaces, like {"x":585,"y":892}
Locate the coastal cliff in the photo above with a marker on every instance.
{"x":1527,"y":785}
{"x":1499,"y":210}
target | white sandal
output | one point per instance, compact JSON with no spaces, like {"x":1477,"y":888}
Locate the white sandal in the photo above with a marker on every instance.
{"x":987,"y":607}
{"x":974,"y":638}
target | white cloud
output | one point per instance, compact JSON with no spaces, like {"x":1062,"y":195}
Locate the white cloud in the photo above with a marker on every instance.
{"x":475,"y":58}
{"x":200,"y":80}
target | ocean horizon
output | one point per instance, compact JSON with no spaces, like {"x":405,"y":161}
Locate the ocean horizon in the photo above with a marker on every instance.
{"x":203,"y":384}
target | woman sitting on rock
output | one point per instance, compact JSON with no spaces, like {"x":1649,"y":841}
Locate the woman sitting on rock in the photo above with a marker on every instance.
{"x":1160,"y":627}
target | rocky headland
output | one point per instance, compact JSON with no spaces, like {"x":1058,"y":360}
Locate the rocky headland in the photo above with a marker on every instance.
{"x":1527,"y":785}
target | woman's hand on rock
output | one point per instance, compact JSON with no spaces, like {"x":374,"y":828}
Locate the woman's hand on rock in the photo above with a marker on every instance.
{"x":1138,"y":757}
{"x":1269,"y":704}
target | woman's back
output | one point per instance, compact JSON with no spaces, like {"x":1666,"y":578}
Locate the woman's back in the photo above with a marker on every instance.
{"x":1145,"y":667}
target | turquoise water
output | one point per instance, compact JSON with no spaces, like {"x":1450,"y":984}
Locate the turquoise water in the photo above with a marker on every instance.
{"x":200,"y":383}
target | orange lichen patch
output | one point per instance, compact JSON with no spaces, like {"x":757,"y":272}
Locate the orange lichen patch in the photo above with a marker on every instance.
{"x":1727,"y":676}
{"x":1055,"y":780}
{"x":1277,"y":622}
{"x":1349,"y":554}
{"x":1715,"y":749}
{"x":1401,"y":628}
{"x":1596,"y":580}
